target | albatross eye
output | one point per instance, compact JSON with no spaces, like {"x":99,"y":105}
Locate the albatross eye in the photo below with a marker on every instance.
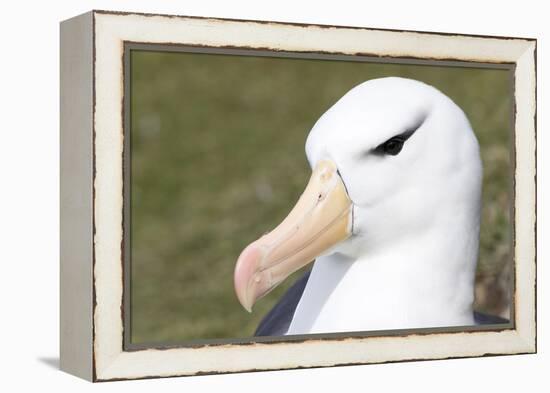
{"x":392,"y":146}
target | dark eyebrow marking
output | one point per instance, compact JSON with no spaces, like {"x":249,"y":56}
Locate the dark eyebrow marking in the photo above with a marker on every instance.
{"x":412,"y":129}
{"x":402,"y":137}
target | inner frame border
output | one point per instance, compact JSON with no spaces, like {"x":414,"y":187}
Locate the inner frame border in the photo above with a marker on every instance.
{"x":129,"y":46}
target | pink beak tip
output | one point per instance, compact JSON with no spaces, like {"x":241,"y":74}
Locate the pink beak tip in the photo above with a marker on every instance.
{"x":246,"y":267}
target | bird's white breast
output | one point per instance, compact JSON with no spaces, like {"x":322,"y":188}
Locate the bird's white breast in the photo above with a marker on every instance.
{"x":399,"y":289}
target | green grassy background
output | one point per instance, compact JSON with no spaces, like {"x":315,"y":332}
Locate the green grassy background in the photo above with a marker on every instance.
{"x":218,"y":159}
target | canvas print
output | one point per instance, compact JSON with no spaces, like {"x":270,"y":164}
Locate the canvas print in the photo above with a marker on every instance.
{"x":279,"y":196}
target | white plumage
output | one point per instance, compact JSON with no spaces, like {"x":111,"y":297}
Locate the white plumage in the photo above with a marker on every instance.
{"x":412,"y":257}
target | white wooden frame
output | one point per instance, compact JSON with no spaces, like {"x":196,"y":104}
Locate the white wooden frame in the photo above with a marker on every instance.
{"x":92,"y":151}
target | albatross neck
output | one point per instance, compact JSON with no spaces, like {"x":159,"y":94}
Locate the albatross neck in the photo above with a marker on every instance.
{"x":426,"y":280}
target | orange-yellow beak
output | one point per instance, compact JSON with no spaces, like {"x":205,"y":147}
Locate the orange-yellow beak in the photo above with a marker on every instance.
{"x":321,"y":219}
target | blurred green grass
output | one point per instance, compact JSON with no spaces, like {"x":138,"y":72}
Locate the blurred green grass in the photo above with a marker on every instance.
{"x":218,"y":159}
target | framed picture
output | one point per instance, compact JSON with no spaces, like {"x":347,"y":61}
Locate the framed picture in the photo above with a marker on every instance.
{"x":244,"y":195}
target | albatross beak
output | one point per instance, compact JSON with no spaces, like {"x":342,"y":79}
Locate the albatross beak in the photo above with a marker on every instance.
{"x":321,"y":219}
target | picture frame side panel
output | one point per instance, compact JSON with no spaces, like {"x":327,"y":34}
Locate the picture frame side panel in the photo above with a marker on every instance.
{"x":76,"y":196}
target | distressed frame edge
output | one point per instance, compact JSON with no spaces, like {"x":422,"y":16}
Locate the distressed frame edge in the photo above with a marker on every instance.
{"x":76,"y":196}
{"x":304,"y":24}
{"x":525,"y":222}
{"x":527,"y":337}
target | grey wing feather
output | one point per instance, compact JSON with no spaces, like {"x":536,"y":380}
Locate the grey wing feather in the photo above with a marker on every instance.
{"x":487,"y":319}
{"x":277,"y":321}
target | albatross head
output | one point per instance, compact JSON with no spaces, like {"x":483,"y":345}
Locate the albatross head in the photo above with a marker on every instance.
{"x":393,"y":160}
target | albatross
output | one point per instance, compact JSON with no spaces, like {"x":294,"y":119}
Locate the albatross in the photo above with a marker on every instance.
{"x":390,"y":217}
